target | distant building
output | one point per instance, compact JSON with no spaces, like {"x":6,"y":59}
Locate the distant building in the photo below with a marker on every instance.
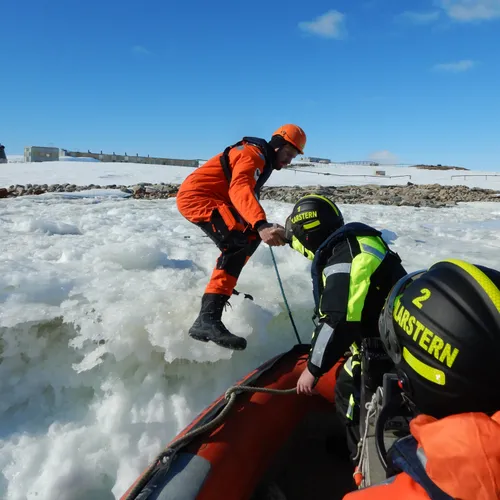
{"x":106,"y":157}
{"x":3,"y":156}
{"x":314,"y":159}
{"x":369,"y":163}
{"x":40,"y":153}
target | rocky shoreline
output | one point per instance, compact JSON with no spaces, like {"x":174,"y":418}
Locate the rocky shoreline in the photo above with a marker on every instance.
{"x":413,"y":195}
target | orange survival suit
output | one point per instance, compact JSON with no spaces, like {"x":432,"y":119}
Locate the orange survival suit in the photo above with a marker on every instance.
{"x":222,"y":198}
{"x":457,"y":457}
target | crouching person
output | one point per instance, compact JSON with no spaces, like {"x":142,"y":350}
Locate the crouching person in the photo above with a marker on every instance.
{"x":353,"y":270}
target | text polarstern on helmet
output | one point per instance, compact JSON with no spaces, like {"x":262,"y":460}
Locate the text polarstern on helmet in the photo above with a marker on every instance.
{"x":425,"y":338}
{"x":310,"y":214}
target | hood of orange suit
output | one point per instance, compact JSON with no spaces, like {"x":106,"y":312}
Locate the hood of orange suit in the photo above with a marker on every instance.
{"x":462,"y":452}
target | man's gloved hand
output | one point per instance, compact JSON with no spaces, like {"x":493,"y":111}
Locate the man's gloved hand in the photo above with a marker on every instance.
{"x":272,"y":234}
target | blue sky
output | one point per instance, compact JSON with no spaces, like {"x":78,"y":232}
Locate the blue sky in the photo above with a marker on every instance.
{"x":409,"y":82}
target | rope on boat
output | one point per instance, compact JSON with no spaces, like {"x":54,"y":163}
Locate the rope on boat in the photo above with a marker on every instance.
{"x":361,"y":471}
{"x":166,"y":457}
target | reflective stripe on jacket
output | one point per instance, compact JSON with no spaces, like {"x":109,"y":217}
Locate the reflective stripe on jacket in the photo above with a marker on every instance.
{"x":353,"y":272}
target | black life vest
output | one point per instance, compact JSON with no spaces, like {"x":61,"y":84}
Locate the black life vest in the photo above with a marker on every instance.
{"x":267,"y":152}
{"x":324,"y":252}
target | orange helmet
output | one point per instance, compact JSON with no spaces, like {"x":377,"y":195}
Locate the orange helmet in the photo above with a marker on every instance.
{"x":294,"y":135}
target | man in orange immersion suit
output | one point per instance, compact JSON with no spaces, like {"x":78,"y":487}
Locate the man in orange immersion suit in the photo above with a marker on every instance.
{"x":222,"y":198}
{"x":441,"y":328}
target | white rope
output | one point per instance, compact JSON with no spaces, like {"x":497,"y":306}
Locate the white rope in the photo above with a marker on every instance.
{"x":362,"y":455}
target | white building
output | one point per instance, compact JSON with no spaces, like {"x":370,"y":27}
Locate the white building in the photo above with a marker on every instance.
{"x":315,"y":159}
{"x":40,"y":153}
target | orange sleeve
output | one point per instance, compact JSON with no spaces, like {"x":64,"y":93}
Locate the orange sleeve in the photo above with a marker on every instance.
{"x":401,"y":486}
{"x":247,"y":165}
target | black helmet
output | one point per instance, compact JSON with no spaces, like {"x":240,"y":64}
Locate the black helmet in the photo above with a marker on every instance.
{"x":441,"y":328}
{"x":313,"y":219}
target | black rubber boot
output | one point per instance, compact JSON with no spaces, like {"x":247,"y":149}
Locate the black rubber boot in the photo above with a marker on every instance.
{"x":208,"y":324}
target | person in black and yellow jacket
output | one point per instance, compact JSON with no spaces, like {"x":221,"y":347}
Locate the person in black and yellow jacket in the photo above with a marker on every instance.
{"x":353,"y":270}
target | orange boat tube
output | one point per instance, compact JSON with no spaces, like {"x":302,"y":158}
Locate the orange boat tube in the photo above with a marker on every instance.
{"x":229,"y":461}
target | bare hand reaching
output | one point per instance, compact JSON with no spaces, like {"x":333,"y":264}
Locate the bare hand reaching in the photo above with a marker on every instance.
{"x":305,"y":385}
{"x":272,"y":234}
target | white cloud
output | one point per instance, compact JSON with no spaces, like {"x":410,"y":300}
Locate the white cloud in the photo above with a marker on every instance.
{"x":471,"y":10}
{"x":383,"y":156}
{"x":456,"y":67}
{"x":329,"y":25}
{"x":419,"y":17}
{"x":140,"y":50}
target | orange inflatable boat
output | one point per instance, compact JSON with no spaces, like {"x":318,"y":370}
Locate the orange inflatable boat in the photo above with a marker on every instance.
{"x":256,"y":445}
